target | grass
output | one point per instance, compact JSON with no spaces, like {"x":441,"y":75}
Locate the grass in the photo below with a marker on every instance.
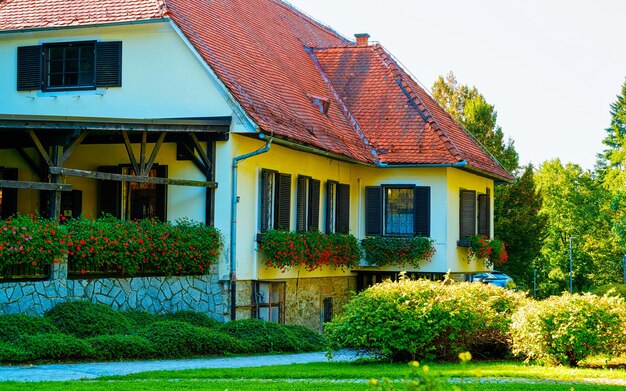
{"x":346,"y":377}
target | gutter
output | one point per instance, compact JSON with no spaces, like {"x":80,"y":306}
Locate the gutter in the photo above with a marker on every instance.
{"x":460,"y":164}
{"x":84,"y":26}
{"x":233,"y":225}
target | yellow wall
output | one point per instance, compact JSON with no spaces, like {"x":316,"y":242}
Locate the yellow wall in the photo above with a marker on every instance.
{"x":462,"y":180}
{"x":444,"y":182}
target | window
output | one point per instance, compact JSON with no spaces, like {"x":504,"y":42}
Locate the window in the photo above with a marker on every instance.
{"x":337,"y":207}
{"x":69,"y":66}
{"x":475,"y":214}
{"x":131,"y":200}
{"x":8,"y":197}
{"x":275,"y":200}
{"x":270,"y":301}
{"x":308,"y":207}
{"x":399,"y":210}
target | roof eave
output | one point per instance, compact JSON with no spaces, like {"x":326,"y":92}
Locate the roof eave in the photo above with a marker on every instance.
{"x":80,"y":26}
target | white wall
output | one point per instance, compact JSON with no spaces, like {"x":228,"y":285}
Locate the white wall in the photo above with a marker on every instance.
{"x":161,"y":77}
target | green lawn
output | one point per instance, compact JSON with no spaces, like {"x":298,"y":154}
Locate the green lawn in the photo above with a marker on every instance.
{"x":347,"y":377}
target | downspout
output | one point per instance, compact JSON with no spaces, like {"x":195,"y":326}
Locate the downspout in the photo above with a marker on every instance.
{"x":233,"y":225}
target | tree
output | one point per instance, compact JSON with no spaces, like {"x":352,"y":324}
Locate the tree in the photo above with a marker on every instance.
{"x":470,"y":109}
{"x":612,"y":166}
{"x":575,"y":205}
{"x":519,"y":225}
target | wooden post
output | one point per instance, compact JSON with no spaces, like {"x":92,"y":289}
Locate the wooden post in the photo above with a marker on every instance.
{"x":55,"y":196}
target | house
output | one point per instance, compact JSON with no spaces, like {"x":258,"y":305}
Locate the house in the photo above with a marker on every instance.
{"x":247,"y":115}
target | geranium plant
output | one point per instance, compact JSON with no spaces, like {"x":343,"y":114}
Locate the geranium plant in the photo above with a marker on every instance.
{"x":313,"y":250}
{"x":131,"y":247}
{"x":29,"y":240}
{"x":491,"y":251}
{"x":410,"y":251}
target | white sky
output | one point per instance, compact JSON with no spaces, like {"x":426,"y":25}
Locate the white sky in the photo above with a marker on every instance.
{"x":551,"y":67}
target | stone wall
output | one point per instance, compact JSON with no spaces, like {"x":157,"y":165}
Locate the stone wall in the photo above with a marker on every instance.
{"x":153,"y":294}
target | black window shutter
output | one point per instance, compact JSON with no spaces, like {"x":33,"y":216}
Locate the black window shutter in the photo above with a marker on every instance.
{"x":283,"y":202}
{"x":314,"y":205}
{"x":161,"y":194}
{"x":468,"y":213}
{"x":301,"y":204}
{"x":77,"y":202}
{"x":421,"y":226}
{"x":330,"y":201}
{"x":484,"y":215}
{"x":343,"y":209}
{"x":110,"y":193}
{"x":29,"y":68}
{"x":108,"y":64}
{"x":9,"y":196}
{"x":265,"y":199}
{"x":373,"y":210}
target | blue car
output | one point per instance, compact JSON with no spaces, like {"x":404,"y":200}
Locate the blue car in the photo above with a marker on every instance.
{"x":494,"y":277}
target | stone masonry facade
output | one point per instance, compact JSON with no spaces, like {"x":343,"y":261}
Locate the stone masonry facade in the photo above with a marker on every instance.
{"x":204,"y":294}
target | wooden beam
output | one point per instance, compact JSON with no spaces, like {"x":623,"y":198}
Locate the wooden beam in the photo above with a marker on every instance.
{"x":142,"y":155}
{"x":68,"y":151}
{"x":35,"y":185}
{"x":55,"y":196}
{"x":195,"y":159}
{"x":201,"y":152}
{"x":130,"y":178}
{"x":131,"y":153}
{"x":154,"y":153}
{"x":40,"y":148}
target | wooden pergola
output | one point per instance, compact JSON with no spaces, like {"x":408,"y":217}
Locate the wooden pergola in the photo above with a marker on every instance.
{"x":55,"y":139}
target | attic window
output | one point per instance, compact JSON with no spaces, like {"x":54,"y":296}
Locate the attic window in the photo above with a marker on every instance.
{"x":323,"y":104}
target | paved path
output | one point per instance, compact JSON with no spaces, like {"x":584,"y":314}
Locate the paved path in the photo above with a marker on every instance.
{"x":63,"y":372}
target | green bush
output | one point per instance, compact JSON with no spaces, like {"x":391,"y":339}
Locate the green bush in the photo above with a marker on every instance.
{"x":566,"y":329}
{"x":140,"y":319}
{"x":614,"y":289}
{"x":412,"y":319}
{"x":306,"y":339}
{"x":116,"y":347}
{"x":15,"y":325}
{"x":54,"y":347}
{"x":10,"y":354}
{"x":84,"y":319}
{"x":179,"y":339}
{"x":191,"y":317}
{"x":259,"y":336}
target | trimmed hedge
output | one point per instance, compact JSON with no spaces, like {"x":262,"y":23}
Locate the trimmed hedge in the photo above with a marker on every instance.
{"x":259,"y":336}
{"x":116,"y":347}
{"x":10,"y":353}
{"x":16,"y":325}
{"x":179,"y":339}
{"x":565,"y":329}
{"x":412,"y":319}
{"x":54,"y":347}
{"x":84,"y":319}
{"x":191,"y":317}
{"x":306,"y":339}
{"x":140,"y":319}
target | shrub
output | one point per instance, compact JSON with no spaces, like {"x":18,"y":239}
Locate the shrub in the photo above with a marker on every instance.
{"x":410,"y":319}
{"x":306,"y":339}
{"x":84,"y":319}
{"x":191,"y":317}
{"x":382,"y":251}
{"x":15,"y":325}
{"x":259,"y":336}
{"x":612,"y":289}
{"x":129,"y":247}
{"x":140,"y":319}
{"x":566,"y":329}
{"x":313,"y":250}
{"x":116,"y":347}
{"x":54,"y":347}
{"x":30,"y":240}
{"x":179,"y":339}
{"x":9,"y":354}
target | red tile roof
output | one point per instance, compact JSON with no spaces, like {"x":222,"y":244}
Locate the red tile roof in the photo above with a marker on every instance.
{"x":261,"y":51}
{"x":26,"y":14}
